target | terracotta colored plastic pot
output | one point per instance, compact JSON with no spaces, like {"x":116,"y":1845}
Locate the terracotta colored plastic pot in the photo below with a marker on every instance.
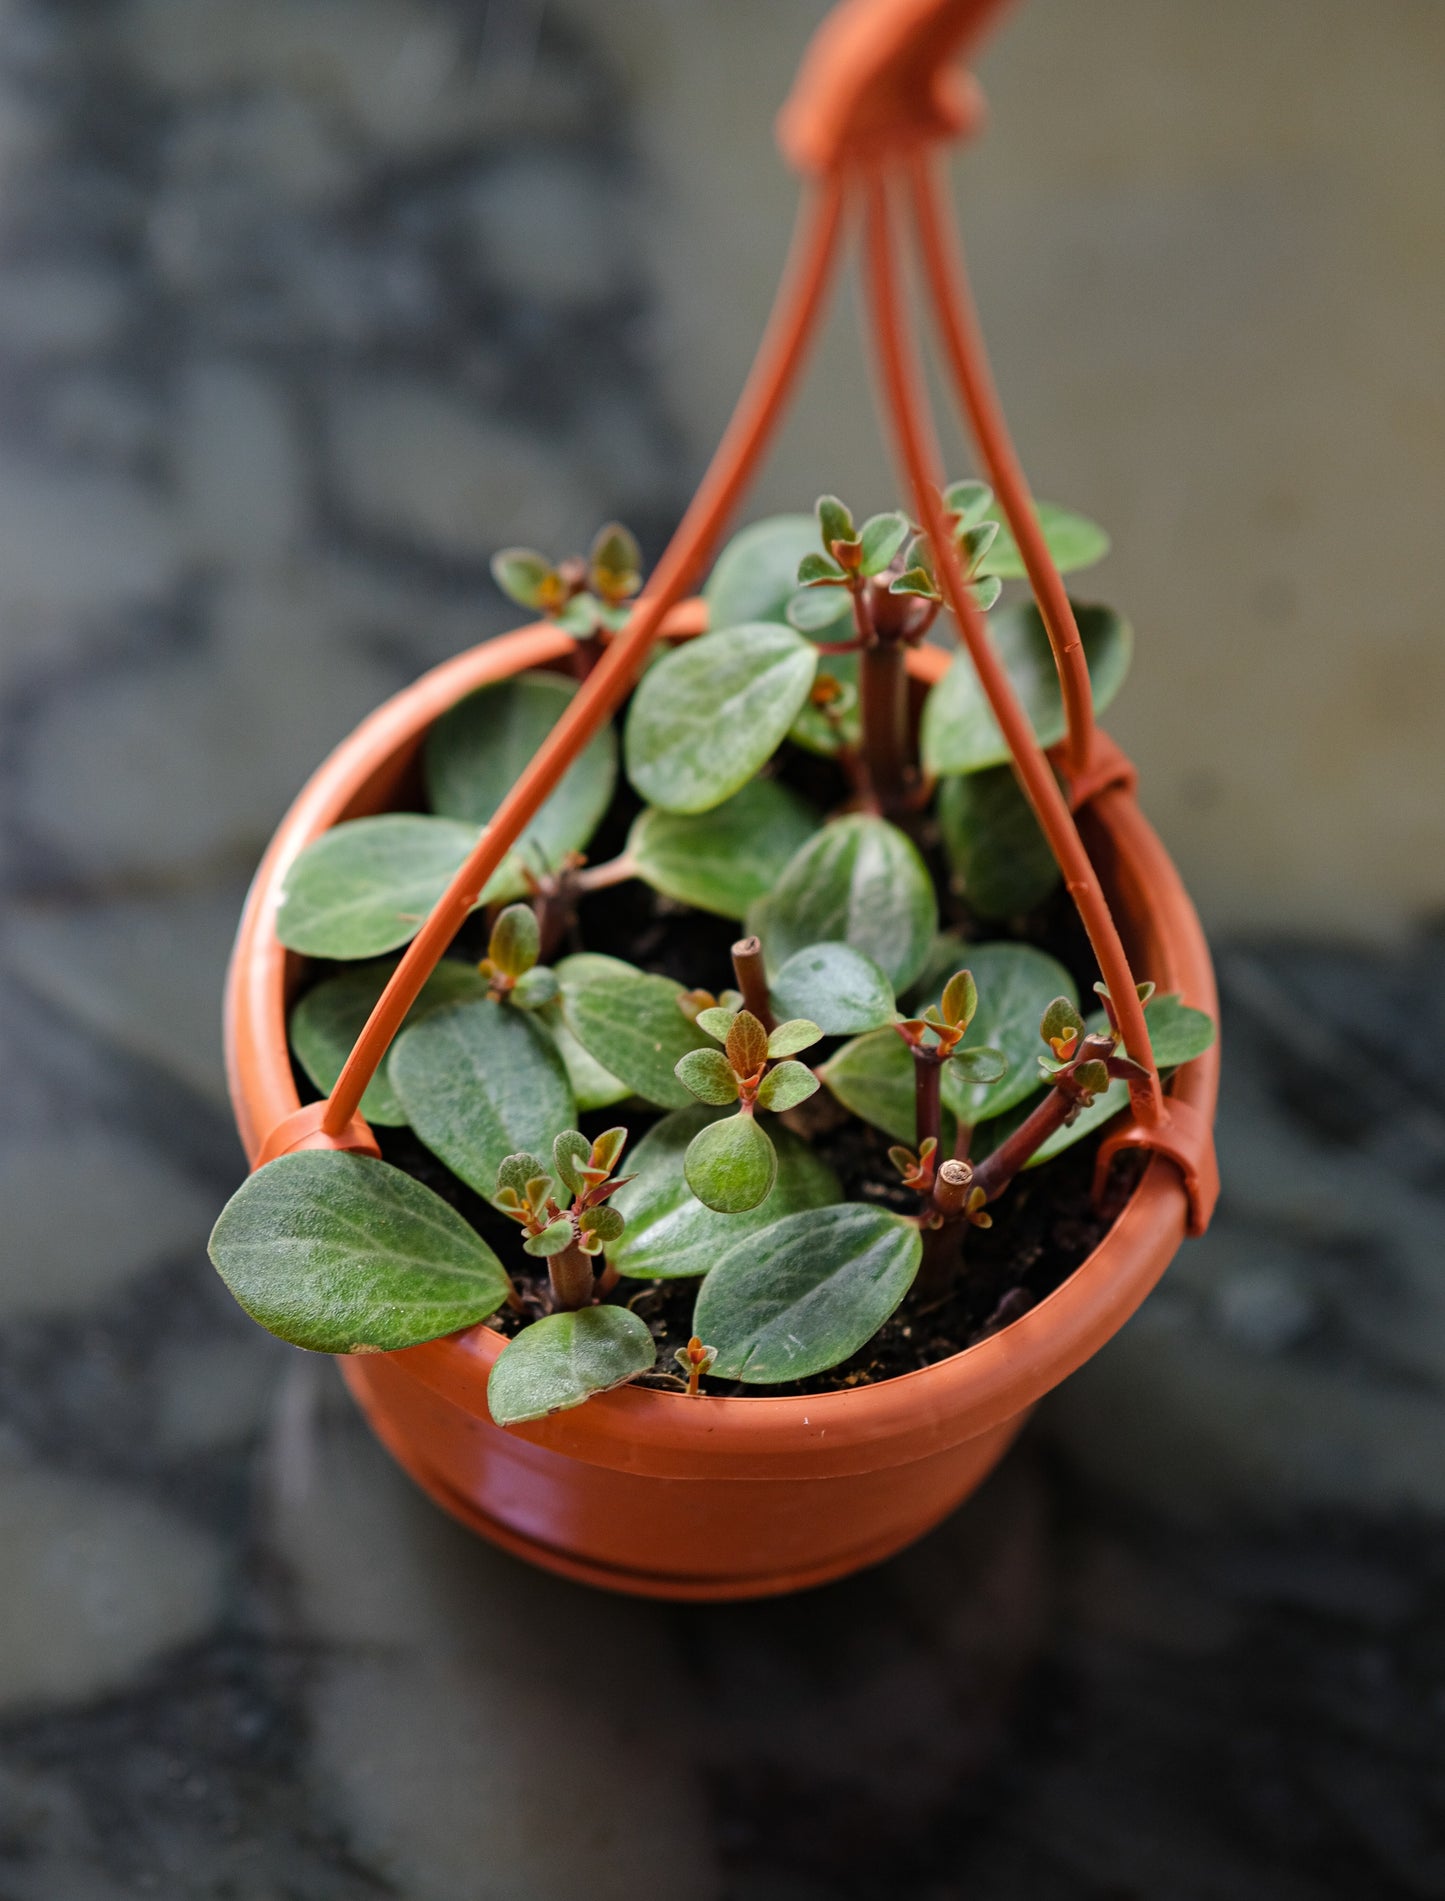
{"x":648,"y":1491}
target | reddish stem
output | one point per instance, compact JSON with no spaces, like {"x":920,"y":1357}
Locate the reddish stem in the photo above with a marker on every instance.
{"x":927,"y":1107}
{"x":883,"y":704}
{"x":752,"y":980}
{"x":573,"y":1282}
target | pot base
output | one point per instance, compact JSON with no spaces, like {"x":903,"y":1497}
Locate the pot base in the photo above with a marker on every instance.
{"x":388,"y":1410}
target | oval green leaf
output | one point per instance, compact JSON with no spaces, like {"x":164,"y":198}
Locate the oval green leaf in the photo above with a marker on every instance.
{"x":710,"y":713}
{"x":959,"y":732}
{"x":813,"y":730}
{"x":367,"y":885}
{"x":670,"y":1234}
{"x":786,"y":1085}
{"x":478,"y":1082}
{"x":328,"y":1019}
{"x":593,"y":1086}
{"x":629,"y":1022}
{"x":806,"y":1294}
{"x":841,"y":989}
{"x":708,"y":1075}
{"x":731,"y":1165}
{"x":756,"y":575}
{"x":1073,"y":540}
{"x":344,"y":1254}
{"x":1001,"y":860}
{"x":858,"y":881}
{"x":478,"y":750}
{"x":724,"y":859}
{"x":563,"y":1359}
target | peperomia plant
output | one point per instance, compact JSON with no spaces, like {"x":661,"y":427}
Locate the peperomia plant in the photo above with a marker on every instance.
{"x":897,"y":1038}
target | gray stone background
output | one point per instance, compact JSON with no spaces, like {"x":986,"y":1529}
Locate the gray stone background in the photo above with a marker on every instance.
{"x":305,"y":306}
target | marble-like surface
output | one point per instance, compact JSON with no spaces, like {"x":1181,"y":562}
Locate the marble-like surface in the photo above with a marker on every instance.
{"x":305,"y":305}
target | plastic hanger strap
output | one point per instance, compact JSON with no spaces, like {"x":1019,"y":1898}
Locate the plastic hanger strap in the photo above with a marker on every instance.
{"x":1107,"y":769}
{"x":906,"y":414}
{"x":1184,"y":1137}
{"x":802,"y":297}
{"x":881,"y":74}
{"x":966,"y":356}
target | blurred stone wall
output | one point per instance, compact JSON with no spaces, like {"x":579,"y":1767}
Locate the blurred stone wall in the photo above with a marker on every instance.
{"x":1209,"y":246}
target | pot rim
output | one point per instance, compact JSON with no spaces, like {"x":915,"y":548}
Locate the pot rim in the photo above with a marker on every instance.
{"x":643,"y":1428}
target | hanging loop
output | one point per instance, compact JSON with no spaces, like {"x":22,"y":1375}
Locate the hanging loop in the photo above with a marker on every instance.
{"x":883,"y":74}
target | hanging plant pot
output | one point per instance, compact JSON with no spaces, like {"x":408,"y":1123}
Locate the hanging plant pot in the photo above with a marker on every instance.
{"x":649,"y":1491}
{"x":529,"y":1401}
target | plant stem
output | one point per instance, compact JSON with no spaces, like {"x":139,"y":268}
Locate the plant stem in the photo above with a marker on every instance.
{"x":883,"y":704}
{"x":996,"y":1171}
{"x":927,"y":1109}
{"x":573,"y":1282}
{"x":952,"y":1188}
{"x":613,"y":871}
{"x":752,"y":980}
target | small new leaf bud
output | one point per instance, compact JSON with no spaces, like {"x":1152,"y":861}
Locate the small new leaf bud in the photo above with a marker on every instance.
{"x":515,"y":942}
{"x":959,"y":1003}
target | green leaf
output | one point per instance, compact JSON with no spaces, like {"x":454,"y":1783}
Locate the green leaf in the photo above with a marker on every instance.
{"x":724,"y":859}
{"x":711,"y":712}
{"x":367,"y":885}
{"x":756,"y":575}
{"x":882,"y":537}
{"x":974,"y":543}
{"x":1001,"y":860}
{"x":534,"y":989}
{"x":819,"y":570}
{"x":708,"y":1075}
{"x":959,"y":732}
{"x":916,"y":580}
{"x":807,"y":1294}
{"x":797,"y":1033}
{"x":1073,"y":540}
{"x":835,"y":521}
{"x":563,"y":1359}
{"x":523,"y":575}
{"x":478,"y":750}
{"x":970,"y":501}
{"x":670,"y":1234}
{"x":478,"y":1082}
{"x":1177,"y":1031}
{"x":716,"y":1021}
{"x":959,"y":1002}
{"x":631,"y":1024}
{"x":592,"y":1086}
{"x":604,"y":1223}
{"x":553,"y":1238}
{"x":815,"y":608}
{"x":858,"y":881}
{"x":1016,"y":984}
{"x":731,"y":1165}
{"x":571,"y":1152}
{"x":518,"y":1171}
{"x":812,"y":729}
{"x":328,"y":1019}
{"x":843,"y":990}
{"x":981,"y":1065}
{"x":344,"y":1254}
{"x":516,"y":940}
{"x":985,"y":591}
{"x":1061,"y":1021}
{"x":873,"y":1076}
{"x":786,"y":1086}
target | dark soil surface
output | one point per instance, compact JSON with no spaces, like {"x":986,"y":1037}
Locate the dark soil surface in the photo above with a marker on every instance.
{"x":1045,"y":1225}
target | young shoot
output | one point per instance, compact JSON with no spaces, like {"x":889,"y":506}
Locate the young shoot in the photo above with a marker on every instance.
{"x":569,"y":1234}
{"x":584,"y":596}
